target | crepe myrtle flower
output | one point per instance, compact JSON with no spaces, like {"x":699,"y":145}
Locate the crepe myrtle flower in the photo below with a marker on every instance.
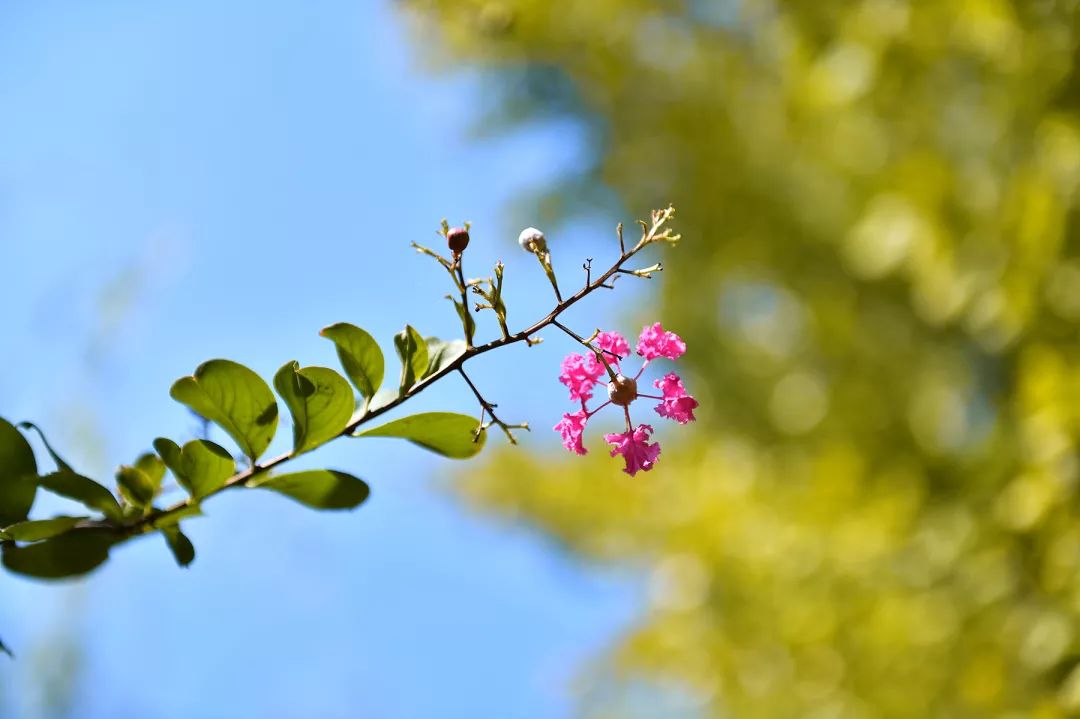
{"x":581,"y":373}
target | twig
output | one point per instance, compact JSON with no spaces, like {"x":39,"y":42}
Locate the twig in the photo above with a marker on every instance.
{"x":488,"y":407}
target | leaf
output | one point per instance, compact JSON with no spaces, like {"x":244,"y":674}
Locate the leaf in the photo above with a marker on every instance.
{"x":360,"y":356}
{"x":60,"y":463}
{"x":206,"y":466}
{"x":201,"y":466}
{"x":320,"y":400}
{"x":40,"y":529}
{"x":441,"y":353}
{"x":81,"y":489}
{"x":67,"y":555}
{"x":182,"y":548}
{"x":135,"y":486}
{"x":152,"y":466}
{"x":318,"y":488}
{"x":171,"y":454}
{"x":412,"y":351}
{"x":17,"y":475}
{"x":5,"y":650}
{"x":236,"y":399}
{"x":446,"y":433}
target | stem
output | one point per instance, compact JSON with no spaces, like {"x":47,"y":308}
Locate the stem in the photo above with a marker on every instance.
{"x":598,"y":352}
{"x":488,"y":407}
{"x":144,"y":524}
{"x":590,"y":414}
{"x":460,"y":280}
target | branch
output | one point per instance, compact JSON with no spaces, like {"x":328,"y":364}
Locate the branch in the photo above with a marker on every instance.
{"x":147,"y":522}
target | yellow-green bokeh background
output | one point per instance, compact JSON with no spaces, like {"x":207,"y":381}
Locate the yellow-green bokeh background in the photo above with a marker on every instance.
{"x":876,"y":514}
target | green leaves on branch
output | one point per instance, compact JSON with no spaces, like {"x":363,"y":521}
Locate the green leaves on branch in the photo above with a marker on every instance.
{"x":360,"y":356}
{"x":319,"y":488}
{"x":236,"y":399}
{"x":320,"y":400}
{"x":321,"y":403}
{"x":446,"y":433}
{"x":200,"y":466}
{"x":412,"y":351}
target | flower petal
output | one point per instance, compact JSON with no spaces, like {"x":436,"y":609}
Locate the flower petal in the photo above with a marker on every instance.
{"x":656,"y":342}
{"x":637,"y":451}
{"x":571,"y":428}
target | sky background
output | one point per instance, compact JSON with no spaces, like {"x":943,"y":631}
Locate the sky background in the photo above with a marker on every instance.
{"x":182,"y":181}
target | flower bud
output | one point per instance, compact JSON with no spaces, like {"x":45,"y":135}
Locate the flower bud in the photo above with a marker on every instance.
{"x":532,"y":240}
{"x":458,"y":239}
{"x":622,"y":390}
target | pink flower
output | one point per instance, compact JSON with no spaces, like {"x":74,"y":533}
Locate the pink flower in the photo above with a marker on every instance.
{"x":571,"y":428}
{"x":677,"y":404}
{"x":655,"y":342}
{"x":615,"y":344}
{"x":580,"y":373}
{"x":635,"y":448}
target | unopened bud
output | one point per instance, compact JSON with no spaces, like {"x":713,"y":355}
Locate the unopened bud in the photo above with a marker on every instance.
{"x":622,"y":390}
{"x":458,"y":239}
{"x":532,"y":240}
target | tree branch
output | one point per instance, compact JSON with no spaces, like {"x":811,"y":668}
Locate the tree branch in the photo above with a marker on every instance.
{"x":147,"y":522}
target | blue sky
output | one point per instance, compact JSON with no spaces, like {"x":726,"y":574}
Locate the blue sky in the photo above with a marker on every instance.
{"x":181,"y":181}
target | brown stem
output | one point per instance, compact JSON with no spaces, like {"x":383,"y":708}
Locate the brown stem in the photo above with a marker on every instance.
{"x":488,"y":407}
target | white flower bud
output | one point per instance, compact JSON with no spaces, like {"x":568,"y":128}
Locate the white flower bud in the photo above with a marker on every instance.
{"x":532,"y":240}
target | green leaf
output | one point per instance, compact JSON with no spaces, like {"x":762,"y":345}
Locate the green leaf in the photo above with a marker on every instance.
{"x":81,"y":489}
{"x":447,"y":433}
{"x":67,"y":555}
{"x":441,"y":353}
{"x":152,"y":466}
{"x":18,"y":470}
{"x":318,"y":488}
{"x":61,"y":465}
{"x":206,"y":466}
{"x":40,"y":529}
{"x":236,"y":399}
{"x":412,"y":351}
{"x":182,"y":548}
{"x":5,"y":650}
{"x":170,"y":453}
{"x":200,"y":467}
{"x":320,"y":400}
{"x":360,"y":356}
{"x":135,"y":486}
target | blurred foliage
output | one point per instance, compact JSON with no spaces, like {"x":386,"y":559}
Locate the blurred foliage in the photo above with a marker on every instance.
{"x":880,"y":289}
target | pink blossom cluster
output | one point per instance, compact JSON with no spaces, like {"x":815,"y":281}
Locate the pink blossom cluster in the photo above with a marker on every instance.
{"x":581,"y":373}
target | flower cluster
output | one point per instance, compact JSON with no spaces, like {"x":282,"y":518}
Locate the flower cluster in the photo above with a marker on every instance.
{"x":581,"y":373}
